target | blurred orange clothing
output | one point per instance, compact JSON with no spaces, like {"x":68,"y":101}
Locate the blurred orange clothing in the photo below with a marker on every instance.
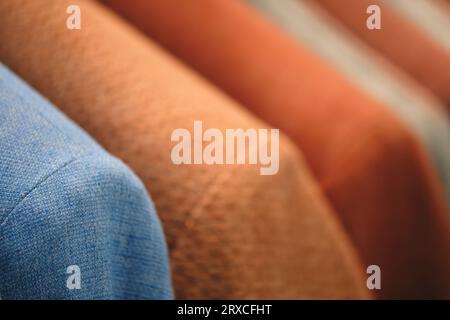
{"x":400,"y":40}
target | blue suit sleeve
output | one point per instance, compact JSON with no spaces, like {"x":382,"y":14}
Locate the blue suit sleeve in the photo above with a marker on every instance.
{"x":87,"y":231}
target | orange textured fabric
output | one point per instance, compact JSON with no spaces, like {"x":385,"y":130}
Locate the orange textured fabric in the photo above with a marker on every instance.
{"x":401,"y":41}
{"x":372,"y":169}
{"x":232,"y":233}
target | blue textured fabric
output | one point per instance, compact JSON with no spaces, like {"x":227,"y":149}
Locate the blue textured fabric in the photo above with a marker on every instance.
{"x":64,"y":201}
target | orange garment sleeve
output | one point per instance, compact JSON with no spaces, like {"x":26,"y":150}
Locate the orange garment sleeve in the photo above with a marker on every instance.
{"x":371,"y":167}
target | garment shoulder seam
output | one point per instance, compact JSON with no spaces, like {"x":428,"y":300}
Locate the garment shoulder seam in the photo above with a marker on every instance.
{"x":40,"y":182}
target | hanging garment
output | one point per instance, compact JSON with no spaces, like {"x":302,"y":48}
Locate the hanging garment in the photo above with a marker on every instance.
{"x":75,"y":223}
{"x":424,"y":114}
{"x":371,"y":167}
{"x":431,"y":16}
{"x":401,"y":40}
{"x":232,"y":233}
